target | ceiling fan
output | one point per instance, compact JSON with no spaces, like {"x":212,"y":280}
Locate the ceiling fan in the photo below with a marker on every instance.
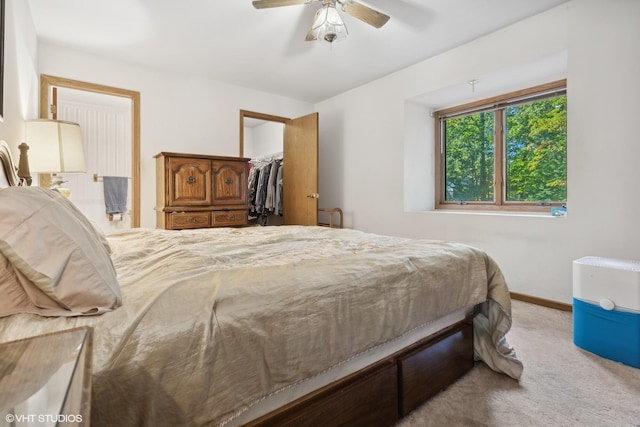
{"x":327,"y":24}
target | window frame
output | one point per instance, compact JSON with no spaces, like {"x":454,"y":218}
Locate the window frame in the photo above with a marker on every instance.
{"x":496,"y":103}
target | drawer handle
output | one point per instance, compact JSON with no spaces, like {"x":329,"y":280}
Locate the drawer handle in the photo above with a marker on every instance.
{"x":191,"y":180}
{"x":232,"y":217}
{"x":228,"y":181}
{"x":192,"y":219}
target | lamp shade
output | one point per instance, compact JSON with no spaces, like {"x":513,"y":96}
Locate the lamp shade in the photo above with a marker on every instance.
{"x":328,"y":25}
{"x":54,"y":146}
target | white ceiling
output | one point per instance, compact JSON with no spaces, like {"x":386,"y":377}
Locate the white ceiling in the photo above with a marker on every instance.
{"x":231,"y":41}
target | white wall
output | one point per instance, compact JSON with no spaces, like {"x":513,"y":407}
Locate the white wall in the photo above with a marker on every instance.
{"x":370,"y":149}
{"x":178,"y":114}
{"x":20,"y":73}
{"x":264,"y":139}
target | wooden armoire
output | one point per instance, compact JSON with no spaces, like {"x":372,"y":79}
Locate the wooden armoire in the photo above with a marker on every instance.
{"x":200,"y":191}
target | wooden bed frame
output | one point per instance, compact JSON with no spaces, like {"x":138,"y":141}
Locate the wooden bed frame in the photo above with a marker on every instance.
{"x":387,"y":390}
{"x":377,"y":395}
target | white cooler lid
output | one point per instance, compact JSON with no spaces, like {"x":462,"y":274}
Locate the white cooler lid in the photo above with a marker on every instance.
{"x":618,"y":264}
{"x":607,"y":280}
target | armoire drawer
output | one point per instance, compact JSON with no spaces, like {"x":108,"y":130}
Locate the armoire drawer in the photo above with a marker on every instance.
{"x":229,"y":218}
{"x":180,"y":220}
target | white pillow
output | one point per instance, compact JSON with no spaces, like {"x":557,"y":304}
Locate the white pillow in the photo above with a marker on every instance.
{"x":56,"y":251}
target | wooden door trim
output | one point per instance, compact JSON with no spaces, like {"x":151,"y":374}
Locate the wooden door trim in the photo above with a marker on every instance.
{"x":47,"y":81}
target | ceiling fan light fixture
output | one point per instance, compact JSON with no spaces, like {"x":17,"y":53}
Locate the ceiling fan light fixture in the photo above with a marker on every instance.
{"x":328,"y":25}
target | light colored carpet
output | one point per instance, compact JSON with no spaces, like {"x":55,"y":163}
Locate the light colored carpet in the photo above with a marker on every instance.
{"x":562,"y":385}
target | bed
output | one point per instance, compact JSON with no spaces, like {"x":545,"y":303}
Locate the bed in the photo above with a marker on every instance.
{"x":250,"y":326}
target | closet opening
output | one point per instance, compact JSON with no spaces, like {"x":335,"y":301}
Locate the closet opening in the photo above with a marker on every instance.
{"x":265,"y":139}
{"x":262,"y":141}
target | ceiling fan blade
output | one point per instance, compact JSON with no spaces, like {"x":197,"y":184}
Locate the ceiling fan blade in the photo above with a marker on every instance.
{"x":263,"y":4}
{"x":310,"y":37}
{"x":364,"y":13}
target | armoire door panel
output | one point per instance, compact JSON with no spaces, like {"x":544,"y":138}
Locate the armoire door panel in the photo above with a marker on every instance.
{"x":229,"y":182}
{"x":189,"y":182}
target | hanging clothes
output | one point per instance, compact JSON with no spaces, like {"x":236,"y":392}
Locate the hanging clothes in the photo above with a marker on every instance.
{"x":279,"y":190}
{"x":265,"y":175}
{"x":270,"y":201}
{"x":263,"y":184}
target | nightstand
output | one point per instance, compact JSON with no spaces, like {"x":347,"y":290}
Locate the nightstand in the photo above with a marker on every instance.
{"x":46,"y":380}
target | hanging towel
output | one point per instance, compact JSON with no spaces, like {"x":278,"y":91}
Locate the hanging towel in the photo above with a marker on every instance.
{"x":115,"y":193}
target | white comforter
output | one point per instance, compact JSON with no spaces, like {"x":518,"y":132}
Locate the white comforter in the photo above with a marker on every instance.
{"x":214,"y":320}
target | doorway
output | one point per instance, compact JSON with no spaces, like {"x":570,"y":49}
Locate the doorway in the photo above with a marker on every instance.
{"x":85,"y":100}
{"x":300,"y":165}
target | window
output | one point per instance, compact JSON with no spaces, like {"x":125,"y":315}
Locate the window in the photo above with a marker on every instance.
{"x":506,"y":153}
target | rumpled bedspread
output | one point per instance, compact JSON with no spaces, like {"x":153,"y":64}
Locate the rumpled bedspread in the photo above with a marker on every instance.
{"x":214,"y":320}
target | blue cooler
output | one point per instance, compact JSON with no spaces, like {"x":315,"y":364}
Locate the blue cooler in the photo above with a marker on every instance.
{"x":606,"y":308}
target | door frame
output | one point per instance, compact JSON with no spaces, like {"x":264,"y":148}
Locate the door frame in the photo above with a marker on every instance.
{"x":47,"y":81}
